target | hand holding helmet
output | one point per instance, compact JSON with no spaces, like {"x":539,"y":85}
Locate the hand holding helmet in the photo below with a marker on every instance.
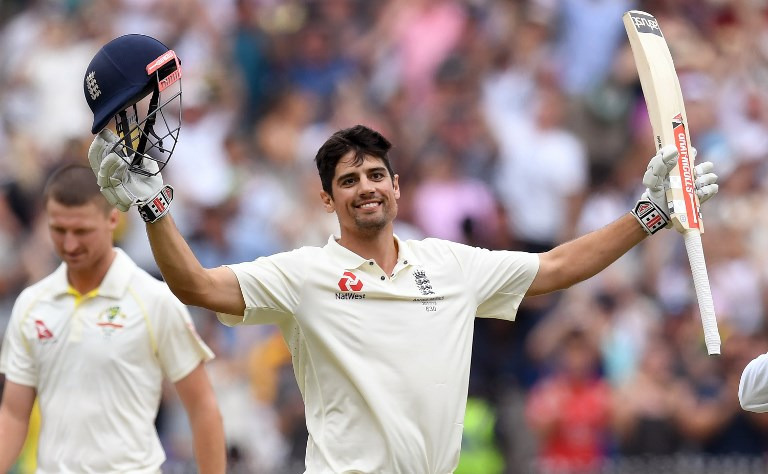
{"x":127,"y":165}
{"x":124,"y":188}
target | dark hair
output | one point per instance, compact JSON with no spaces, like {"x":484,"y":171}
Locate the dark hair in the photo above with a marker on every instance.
{"x":74,"y":185}
{"x":362,"y":140}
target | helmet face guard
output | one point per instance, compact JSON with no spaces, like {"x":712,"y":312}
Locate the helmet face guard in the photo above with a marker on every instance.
{"x":155,"y":136}
{"x":136,"y":80}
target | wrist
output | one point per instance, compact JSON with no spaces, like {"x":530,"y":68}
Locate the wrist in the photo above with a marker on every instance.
{"x":650,"y":216}
{"x":157,"y":206}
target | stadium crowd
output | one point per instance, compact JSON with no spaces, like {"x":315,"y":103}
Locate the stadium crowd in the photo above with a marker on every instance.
{"x":517,"y":124}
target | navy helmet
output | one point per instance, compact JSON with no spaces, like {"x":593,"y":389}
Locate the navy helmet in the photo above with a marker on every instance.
{"x":122,"y":73}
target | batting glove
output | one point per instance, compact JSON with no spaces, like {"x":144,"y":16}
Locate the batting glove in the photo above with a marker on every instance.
{"x":651,"y":209}
{"x":706,"y":179}
{"x":124,"y":188}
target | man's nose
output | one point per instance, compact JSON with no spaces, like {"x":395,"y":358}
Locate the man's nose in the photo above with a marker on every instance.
{"x":70,"y":242}
{"x":366,"y":186}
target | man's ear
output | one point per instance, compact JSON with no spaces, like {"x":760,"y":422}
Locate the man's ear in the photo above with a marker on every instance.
{"x":114,"y":219}
{"x":396,"y":185}
{"x":327,"y":202}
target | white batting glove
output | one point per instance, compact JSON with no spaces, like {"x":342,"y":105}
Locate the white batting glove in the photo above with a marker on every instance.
{"x":124,"y":188}
{"x":706,"y":179}
{"x":652,"y":210}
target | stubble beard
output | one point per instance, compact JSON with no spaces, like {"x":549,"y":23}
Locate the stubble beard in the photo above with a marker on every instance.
{"x":371,"y":224}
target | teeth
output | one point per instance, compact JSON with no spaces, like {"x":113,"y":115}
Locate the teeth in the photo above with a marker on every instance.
{"x":370,"y":204}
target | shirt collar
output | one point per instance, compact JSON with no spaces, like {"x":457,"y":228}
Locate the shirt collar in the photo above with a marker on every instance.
{"x":350,"y":260}
{"x":114,"y":284}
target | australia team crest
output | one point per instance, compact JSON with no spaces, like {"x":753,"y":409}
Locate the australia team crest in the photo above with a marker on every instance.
{"x":111,"y":320}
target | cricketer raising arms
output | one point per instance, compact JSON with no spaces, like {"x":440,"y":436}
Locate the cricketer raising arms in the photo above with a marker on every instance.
{"x":379,"y":328}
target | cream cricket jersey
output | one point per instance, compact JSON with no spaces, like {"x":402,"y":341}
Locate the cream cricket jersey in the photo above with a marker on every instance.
{"x":753,"y":385}
{"x":383,"y":361}
{"x":97,"y":362}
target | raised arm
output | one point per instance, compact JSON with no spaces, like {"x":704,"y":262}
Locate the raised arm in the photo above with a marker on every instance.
{"x":14,"y":421}
{"x":582,"y":258}
{"x":216,"y":289}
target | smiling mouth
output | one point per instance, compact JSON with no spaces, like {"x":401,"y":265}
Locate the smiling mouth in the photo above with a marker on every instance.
{"x":369,"y":205}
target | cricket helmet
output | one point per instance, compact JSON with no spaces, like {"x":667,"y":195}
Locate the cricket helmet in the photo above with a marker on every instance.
{"x":122,"y":74}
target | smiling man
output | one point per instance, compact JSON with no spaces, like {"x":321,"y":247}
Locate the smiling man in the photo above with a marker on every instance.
{"x":93,"y":342}
{"x":380,"y":329}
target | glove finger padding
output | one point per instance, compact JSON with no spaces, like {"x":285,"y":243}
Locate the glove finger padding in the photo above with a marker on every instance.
{"x":658,"y":171}
{"x":111,"y":195}
{"x":111,"y":171}
{"x":101,"y":146}
{"x":112,"y":178}
{"x":651,"y":211}
{"x":150,"y":165}
{"x":706,"y":181}
{"x":659,"y":167}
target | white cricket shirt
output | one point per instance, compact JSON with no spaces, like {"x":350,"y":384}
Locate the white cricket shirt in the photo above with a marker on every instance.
{"x":383,"y":361}
{"x":753,"y":386}
{"x":97,"y":362}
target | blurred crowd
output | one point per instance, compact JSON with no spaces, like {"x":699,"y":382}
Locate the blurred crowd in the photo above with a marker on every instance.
{"x":517,"y":124}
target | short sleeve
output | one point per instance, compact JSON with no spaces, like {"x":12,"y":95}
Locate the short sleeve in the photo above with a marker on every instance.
{"x":753,"y":385}
{"x":179,"y":346}
{"x":271,"y":288}
{"x":16,"y":359}
{"x":498,"y":278}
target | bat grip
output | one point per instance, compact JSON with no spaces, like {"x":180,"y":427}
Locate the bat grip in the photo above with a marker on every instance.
{"x":692,"y":239}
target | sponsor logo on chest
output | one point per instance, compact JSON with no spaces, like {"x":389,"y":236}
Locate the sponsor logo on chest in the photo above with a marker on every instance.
{"x":350,"y":285}
{"x":44,"y":335}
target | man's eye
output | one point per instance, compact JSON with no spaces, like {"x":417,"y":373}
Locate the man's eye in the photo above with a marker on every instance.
{"x":377,"y":176}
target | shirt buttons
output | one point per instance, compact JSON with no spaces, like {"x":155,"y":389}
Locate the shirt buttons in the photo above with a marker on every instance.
{"x":383,"y":277}
{"x":370,"y":263}
{"x":405,"y":262}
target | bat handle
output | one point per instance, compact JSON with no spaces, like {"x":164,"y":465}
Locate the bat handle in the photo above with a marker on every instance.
{"x":692,"y":239}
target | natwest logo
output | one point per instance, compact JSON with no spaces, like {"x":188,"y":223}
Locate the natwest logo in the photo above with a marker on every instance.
{"x":350,"y":282}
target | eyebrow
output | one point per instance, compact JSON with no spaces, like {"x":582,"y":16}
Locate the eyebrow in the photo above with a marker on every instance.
{"x":377,"y":169}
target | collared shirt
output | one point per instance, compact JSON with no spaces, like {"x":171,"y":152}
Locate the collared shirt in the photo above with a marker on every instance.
{"x":97,"y":362}
{"x":382,"y":360}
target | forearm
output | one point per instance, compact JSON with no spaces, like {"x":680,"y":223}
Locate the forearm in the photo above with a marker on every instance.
{"x":582,"y":258}
{"x":209,"y":441}
{"x":181,"y":270}
{"x":591,"y":253}
{"x":13,"y":432}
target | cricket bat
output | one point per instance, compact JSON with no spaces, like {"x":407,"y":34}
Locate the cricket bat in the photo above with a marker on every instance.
{"x":666,"y":110}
